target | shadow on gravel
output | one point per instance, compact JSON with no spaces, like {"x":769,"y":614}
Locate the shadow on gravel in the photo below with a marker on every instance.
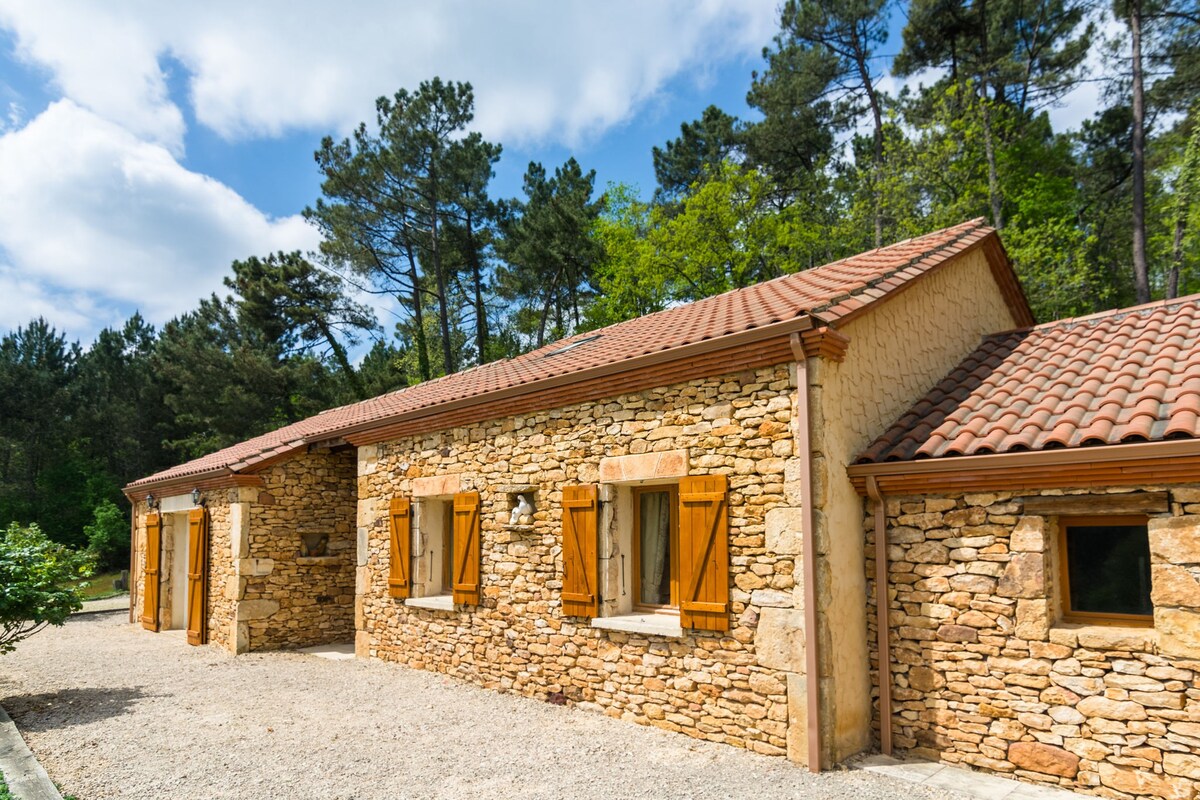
{"x":62,"y":709}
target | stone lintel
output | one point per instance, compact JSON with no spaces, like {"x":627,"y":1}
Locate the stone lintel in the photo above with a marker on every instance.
{"x":644,"y":467}
{"x":436,"y":485}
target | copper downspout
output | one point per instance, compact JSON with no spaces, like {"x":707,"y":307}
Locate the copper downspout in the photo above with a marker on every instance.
{"x":132,"y":558}
{"x":812,"y":663}
{"x":882,"y":645}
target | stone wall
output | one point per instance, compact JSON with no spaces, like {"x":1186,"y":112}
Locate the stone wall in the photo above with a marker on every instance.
{"x":287,"y":599}
{"x":985,"y":674}
{"x":730,"y":687}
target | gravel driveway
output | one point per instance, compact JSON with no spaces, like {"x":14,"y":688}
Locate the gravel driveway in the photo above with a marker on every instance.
{"x":114,"y":711}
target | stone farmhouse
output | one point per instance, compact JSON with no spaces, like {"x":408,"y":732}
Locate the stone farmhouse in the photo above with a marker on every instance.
{"x":723,"y":518}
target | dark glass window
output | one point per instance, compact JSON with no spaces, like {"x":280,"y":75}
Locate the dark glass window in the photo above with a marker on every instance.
{"x":1108,"y":569}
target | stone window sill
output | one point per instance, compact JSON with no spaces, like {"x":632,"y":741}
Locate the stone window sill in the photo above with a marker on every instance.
{"x":440,"y":602}
{"x":1094,"y":636}
{"x":319,"y":561}
{"x":654,"y":624}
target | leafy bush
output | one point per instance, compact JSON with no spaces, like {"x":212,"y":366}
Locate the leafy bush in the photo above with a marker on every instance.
{"x":108,"y":536}
{"x":34,"y":583}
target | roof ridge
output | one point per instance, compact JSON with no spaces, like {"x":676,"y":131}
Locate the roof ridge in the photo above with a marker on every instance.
{"x":1066,"y":322}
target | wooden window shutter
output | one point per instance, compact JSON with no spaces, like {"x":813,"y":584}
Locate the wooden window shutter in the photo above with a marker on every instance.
{"x":580,"y":565}
{"x":704,"y":552}
{"x":197,"y":594}
{"x":467,"y":550}
{"x":400,"y":533}
{"x":150,"y":574}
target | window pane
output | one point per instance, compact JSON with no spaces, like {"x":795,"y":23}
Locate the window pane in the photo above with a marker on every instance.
{"x":1109,"y":569}
{"x":654,"y":549}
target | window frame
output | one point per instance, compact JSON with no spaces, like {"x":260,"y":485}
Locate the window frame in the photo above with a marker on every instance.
{"x":672,"y":490}
{"x":1064,"y":593}
{"x":447,"y":545}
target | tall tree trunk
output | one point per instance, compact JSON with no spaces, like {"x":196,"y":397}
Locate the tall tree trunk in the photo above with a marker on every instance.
{"x":989,"y":149}
{"x":339,"y":355}
{"x":864,"y":74}
{"x":481,"y":324}
{"x":1176,"y":257}
{"x":440,"y":275}
{"x":418,"y":316}
{"x":1141,"y":270}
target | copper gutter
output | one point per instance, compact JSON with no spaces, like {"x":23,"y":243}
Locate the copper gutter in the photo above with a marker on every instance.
{"x":883,"y":649}
{"x":812,"y":662}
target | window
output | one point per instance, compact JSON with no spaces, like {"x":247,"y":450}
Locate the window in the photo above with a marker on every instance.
{"x":656,"y":547}
{"x":1105,"y":570}
{"x":435,"y":521}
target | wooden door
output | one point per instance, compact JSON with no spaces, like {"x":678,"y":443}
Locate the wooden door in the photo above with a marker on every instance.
{"x":151,"y":573}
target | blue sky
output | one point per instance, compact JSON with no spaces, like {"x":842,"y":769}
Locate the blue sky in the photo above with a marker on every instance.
{"x":144,"y":146}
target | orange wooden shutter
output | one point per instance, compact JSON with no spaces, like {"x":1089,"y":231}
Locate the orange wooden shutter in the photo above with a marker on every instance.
{"x":467,"y":553}
{"x":580,"y":566}
{"x":400,"y":529}
{"x":153,"y":556}
{"x":197,"y":594}
{"x":704,"y":552}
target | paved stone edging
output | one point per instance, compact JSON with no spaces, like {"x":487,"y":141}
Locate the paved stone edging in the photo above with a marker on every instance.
{"x":26,"y":778}
{"x":977,"y":784}
{"x":118,"y":603}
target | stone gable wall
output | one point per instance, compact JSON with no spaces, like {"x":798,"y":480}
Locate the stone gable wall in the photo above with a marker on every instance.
{"x":984,"y":674}
{"x":288,"y":600}
{"x":730,"y":687}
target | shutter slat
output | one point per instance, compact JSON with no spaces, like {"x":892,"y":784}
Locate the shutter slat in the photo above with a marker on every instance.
{"x":400,"y":536}
{"x":151,"y":572}
{"x":580,"y":563}
{"x":704,"y":552}
{"x":197,"y":593}
{"x":467,"y":548}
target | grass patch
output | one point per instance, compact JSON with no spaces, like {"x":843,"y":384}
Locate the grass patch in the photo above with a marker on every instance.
{"x":4,"y":793}
{"x":98,"y":587}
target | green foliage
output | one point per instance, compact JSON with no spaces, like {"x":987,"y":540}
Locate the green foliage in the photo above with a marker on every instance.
{"x":108,"y":536}
{"x":35,"y":574}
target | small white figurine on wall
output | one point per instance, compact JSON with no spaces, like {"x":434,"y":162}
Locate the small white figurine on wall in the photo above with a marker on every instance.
{"x":522,"y":513}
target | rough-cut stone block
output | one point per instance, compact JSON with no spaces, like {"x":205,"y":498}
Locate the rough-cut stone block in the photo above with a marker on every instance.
{"x":957,"y":633}
{"x":797,"y":711}
{"x":1175,"y":540}
{"x":779,"y":641}
{"x":924,"y":679}
{"x":1033,"y":619}
{"x":436,"y":486}
{"x":771,"y":597}
{"x":1043,"y":758}
{"x":1098,"y":706}
{"x":239,"y":533}
{"x":784,"y":534}
{"x":1178,"y":632}
{"x":928,"y":553}
{"x":1025,"y":576}
{"x":1143,"y":782}
{"x":1029,"y":535}
{"x":1182,"y":764}
{"x":256,"y":609}
{"x":644,"y":466}
{"x":1174,"y":585}
{"x":256,"y":567}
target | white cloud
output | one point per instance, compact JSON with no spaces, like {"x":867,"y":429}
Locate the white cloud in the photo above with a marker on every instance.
{"x":94,"y":221}
{"x":555,"y":72}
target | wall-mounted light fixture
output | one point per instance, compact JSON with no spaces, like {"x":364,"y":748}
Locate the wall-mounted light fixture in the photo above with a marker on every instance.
{"x":150,"y":501}
{"x":195,"y":497}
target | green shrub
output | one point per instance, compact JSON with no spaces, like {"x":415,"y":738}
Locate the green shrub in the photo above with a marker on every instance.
{"x":35,"y":576}
{"x":108,"y":536}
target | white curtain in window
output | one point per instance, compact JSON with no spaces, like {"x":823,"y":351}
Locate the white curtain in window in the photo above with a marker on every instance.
{"x":655,"y":535}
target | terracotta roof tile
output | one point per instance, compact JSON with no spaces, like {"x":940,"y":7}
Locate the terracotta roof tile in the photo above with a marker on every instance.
{"x":831,"y":292}
{"x":1131,"y":375}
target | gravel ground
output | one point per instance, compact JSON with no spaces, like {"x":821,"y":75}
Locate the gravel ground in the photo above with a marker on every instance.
{"x":114,"y":711}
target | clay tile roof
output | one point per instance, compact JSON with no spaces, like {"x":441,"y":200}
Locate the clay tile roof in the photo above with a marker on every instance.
{"x":1131,"y":375}
{"x":831,"y":292}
